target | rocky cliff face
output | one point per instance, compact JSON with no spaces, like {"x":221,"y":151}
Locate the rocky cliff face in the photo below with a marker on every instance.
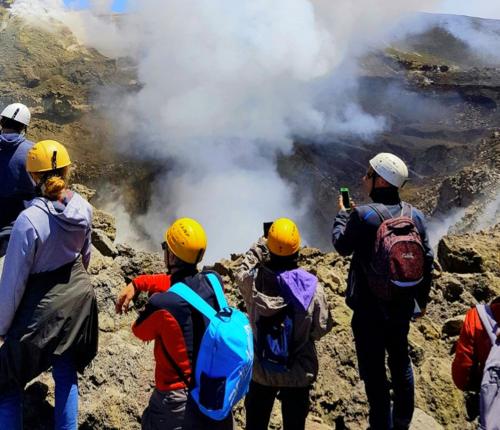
{"x":116,"y":388}
{"x":63,"y":82}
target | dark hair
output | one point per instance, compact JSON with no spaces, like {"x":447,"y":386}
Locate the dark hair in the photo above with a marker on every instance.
{"x":180,"y":264}
{"x":277,"y":262}
{"x":11,"y":124}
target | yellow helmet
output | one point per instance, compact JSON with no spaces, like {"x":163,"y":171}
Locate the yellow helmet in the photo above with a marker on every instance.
{"x":47,"y":155}
{"x":187,"y":240}
{"x":283,"y":238}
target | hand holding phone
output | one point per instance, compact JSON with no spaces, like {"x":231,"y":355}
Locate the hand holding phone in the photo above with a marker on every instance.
{"x":346,"y":199}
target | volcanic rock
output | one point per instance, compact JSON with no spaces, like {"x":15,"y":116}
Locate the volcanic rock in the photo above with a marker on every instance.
{"x":103,"y":243}
{"x":453,"y":326}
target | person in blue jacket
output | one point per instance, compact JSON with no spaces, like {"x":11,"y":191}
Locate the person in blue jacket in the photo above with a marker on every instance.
{"x":48,"y":310}
{"x":15,"y":183}
{"x":379,"y":326}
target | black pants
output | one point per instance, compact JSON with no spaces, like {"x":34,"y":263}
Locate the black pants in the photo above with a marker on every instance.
{"x":165,"y":410}
{"x":259,"y":405}
{"x":194,"y":419}
{"x":374,"y":337}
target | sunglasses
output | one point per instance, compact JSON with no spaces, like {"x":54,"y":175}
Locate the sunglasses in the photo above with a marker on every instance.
{"x":370,"y":173}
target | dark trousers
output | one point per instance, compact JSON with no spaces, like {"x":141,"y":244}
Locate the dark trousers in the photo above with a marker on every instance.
{"x":165,"y":410}
{"x":194,"y":419}
{"x":374,"y":335}
{"x":259,"y":404}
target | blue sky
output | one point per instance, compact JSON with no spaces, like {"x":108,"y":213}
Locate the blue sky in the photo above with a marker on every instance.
{"x":118,"y":5}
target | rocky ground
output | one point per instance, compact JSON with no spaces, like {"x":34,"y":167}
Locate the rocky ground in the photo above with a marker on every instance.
{"x":116,"y":388}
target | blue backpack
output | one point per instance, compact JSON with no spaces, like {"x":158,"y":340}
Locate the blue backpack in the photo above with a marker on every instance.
{"x":274,"y":341}
{"x":224,"y":363}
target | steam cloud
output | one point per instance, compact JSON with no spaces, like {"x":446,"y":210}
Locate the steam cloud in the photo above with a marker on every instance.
{"x":226,"y":85}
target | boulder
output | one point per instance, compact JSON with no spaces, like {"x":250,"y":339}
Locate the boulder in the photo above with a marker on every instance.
{"x":471,"y":253}
{"x":423,"y":421}
{"x":103,"y":243}
{"x":105,"y":222}
{"x":452,"y":326}
{"x":452,"y":289}
{"x":458,"y":258}
{"x":85,"y":192}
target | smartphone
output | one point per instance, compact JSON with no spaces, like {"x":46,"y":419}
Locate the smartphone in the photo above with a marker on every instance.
{"x":346,"y":199}
{"x":267,"y":226}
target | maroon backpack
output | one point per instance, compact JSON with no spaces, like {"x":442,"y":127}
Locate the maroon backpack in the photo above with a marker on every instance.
{"x":398,"y":257}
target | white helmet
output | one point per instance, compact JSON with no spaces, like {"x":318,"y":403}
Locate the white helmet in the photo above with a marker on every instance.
{"x":17,"y":112}
{"x":391,"y":168}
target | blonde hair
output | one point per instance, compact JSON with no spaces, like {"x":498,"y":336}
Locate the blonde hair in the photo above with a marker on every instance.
{"x":55,"y":185}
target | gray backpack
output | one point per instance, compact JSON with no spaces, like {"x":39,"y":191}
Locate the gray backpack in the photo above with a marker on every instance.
{"x":490,"y":385}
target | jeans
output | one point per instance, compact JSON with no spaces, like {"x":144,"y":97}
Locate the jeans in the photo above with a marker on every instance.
{"x":374,"y":335}
{"x":66,"y":399}
{"x":259,"y":404}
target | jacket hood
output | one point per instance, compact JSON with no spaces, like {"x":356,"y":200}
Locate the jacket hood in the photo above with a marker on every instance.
{"x":292,"y":286}
{"x":10,"y":140}
{"x":299,"y":286}
{"x":75,"y":215}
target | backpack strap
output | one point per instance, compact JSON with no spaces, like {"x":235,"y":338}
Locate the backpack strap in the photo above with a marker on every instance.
{"x":407,"y":210}
{"x":183,"y":291}
{"x":172,"y":362}
{"x":219,"y":292}
{"x":376,"y":208}
{"x":489,"y":322}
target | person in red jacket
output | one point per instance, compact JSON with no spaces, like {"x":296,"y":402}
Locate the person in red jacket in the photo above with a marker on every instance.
{"x":473,"y":348}
{"x":176,"y":330}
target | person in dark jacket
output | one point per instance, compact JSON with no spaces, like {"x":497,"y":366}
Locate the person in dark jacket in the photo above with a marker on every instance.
{"x":15,"y":184}
{"x":272,"y":284}
{"x":48,"y":310}
{"x":382,"y":326}
{"x":177,"y":330}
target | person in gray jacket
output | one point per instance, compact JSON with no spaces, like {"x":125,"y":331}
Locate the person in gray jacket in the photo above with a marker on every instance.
{"x":288,"y":312}
{"x":48,"y":311}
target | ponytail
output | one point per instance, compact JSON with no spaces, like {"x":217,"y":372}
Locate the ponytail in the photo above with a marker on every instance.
{"x":55,"y":183}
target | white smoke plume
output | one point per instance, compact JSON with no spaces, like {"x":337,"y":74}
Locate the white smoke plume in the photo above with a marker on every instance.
{"x":226,"y":85}
{"x":482,"y":38}
{"x":491,"y":213}
{"x":442,"y":224}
